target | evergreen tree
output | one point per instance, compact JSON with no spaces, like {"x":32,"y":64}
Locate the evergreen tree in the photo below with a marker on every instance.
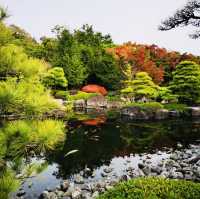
{"x":55,"y":78}
{"x":186,"y":82}
{"x":143,"y":86}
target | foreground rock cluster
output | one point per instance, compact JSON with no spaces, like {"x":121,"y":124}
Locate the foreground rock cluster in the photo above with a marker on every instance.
{"x":178,"y":164}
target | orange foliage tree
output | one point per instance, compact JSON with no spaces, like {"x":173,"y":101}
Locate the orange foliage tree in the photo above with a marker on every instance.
{"x":157,"y":62}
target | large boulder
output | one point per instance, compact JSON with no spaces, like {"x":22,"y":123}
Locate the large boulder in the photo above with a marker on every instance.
{"x":161,"y":114}
{"x":195,"y":111}
{"x":93,"y":88}
{"x":79,"y":103}
{"x":96,"y":102}
{"x":137,"y":113}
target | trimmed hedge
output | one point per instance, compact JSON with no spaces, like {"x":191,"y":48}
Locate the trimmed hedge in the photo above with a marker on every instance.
{"x":154,"y":188}
{"x":146,"y":105}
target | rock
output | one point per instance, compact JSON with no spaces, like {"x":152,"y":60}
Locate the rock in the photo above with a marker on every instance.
{"x":195,"y":111}
{"x":124,"y":178}
{"x":86,"y":195}
{"x":48,"y":195}
{"x":141,"y":165}
{"x":78,"y":179}
{"x":179,"y":145}
{"x":174,"y":113}
{"x":161,"y":114}
{"x":80,"y":103}
{"x":97,"y":101}
{"x":198,"y":163}
{"x":59,"y":193}
{"x":194,"y":159}
{"x":164,"y":174}
{"x":155,"y":169}
{"x":188,"y":177}
{"x":44,"y":195}
{"x":95,"y":194}
{"x":104,"y":175}
{"x":64,"y":185}
{"x":30,"y":184}
{"x":175,"y":175}
{"x":114,"y":104}
{"x":146,"y":170}
{"x":159,"y":153}
{"x":197,"y":172}
{"x":108,"y":170}
{"x":108,"y":187}
{"x":86,"y":187}
{"x":76,"y":194}
{"x":174,"y":157}
{"x":130,"y":169}
{"x":21,"y":193}
{"x":87,"y":172}
{"x":137,"y":113}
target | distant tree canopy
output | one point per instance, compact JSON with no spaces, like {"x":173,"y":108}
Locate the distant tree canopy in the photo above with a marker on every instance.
{"x":83,"y":57}
{"x":188,"y":15}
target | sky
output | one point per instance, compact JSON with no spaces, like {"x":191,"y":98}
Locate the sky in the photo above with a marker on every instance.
{"x":124,"y":20}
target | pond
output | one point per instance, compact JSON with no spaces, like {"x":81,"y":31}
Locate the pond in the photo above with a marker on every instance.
{"x":95,"y":142}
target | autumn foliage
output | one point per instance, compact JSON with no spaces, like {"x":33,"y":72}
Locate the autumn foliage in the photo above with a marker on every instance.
{"x":157,"y":62}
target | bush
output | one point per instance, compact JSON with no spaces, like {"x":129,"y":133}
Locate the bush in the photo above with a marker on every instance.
{"x":113,"y":96}
{"x":23,"y":136}
{"x":147,"y":105}
{"x":154,"y":188}
{"x":176,"y":107}
{"x":166,"y":94}
{"x":24,"y":97}
{"x":8,"y":183}
{"x":60,"y":94}
{"x":82,"y":95}
{"x":55,"y":78}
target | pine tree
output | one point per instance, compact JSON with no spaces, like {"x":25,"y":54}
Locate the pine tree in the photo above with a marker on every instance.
{"x":186,"y":82}
{"x":143,"y":86}
{"x":55,"y":78}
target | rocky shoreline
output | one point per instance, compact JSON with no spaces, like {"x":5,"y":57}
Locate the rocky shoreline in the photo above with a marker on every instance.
{"x":175,"y":164}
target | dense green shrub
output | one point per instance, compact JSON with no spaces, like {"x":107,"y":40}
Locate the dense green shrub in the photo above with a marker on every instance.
{"x":175,"y":107}
{"x":60,"y":94}
{"x":147,"y":105}
{"x":25,"y":97}
{"x":24,"y":136}
{"x":8,"y":183}
{"x":186,"y":82}
{"x":144,"y":86}
{"x":55,"y":78}
{"x":14,"y":62}
{"x":81,"y":95}
{"x":141,"y":86}
{"x":5,"y":34}
{"x":154,"y":188}
{"x":166,"y":94}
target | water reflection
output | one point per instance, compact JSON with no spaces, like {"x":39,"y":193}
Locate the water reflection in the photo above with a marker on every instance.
{"x":31,"y":147}
{"x":97,"y":145}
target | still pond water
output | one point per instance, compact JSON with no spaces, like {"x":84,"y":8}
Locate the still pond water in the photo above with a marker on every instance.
{"x":105,"y":141}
